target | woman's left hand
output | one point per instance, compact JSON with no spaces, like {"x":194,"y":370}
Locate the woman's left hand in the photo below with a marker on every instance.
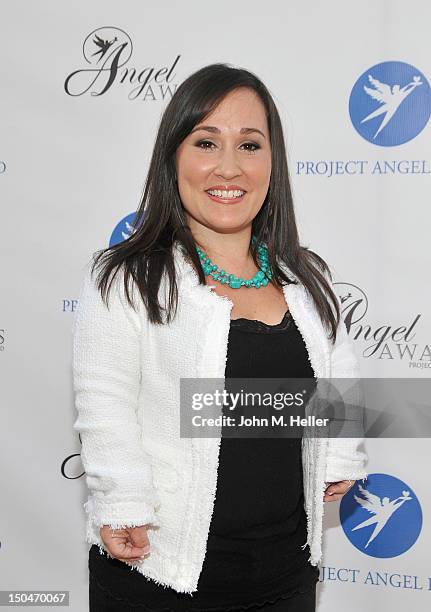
{"x":336,"y":490}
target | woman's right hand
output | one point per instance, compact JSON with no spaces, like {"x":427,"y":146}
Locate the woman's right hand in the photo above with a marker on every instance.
{"x":130,"y":544}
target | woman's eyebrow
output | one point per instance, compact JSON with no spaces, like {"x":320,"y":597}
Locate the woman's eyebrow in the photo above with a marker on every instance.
{"x":215,"y":130}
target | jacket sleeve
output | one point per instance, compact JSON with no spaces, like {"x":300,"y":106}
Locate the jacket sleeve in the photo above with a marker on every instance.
{"x":345,"y":460}
{"x":106,"y":381}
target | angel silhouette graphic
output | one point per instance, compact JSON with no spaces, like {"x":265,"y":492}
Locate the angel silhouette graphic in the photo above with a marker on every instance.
{"x":391,"y":99}
{"x":103,"y":44}
{"x":130,"y":229}
{"x":382,"y":509}
{"x":343,"y":298}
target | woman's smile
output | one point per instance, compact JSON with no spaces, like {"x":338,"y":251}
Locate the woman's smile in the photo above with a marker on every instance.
{"x":226,"y":196}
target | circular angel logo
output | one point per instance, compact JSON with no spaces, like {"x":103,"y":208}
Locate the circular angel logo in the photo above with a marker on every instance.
{"x":105,"y":43}
{"x":390,"y":103}
{"x":382,"y":518}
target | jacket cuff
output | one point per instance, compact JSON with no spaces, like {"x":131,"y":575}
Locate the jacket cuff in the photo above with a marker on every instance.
{"x":345,"y":470}
{"x":121,"y":514}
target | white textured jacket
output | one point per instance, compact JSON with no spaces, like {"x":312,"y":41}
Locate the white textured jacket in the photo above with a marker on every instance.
{"x":139,"y":470}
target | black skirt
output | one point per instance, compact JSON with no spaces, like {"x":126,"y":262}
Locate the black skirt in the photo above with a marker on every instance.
{"x":254,"y":550}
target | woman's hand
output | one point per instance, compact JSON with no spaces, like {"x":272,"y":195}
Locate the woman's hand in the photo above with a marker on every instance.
{"x":336,"y":490}
{"x":129,"y":545}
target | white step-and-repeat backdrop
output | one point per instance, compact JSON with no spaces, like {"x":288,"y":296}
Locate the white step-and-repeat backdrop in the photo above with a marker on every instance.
{"x":351,"y":82}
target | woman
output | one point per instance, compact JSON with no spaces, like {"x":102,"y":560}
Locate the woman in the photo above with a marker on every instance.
{"x":193,"y":523}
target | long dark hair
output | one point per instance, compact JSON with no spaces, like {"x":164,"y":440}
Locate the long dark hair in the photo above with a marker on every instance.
{"x":160,"y":219}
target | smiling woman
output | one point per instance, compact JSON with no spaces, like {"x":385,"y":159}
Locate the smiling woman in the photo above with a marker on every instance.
{"x":209,"y":524}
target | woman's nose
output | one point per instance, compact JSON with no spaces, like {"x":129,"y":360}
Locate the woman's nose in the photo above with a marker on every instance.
{"x":228,"y":164}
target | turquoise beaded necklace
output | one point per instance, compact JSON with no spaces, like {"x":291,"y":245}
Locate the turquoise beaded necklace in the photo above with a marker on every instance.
{"x":260,"y":279}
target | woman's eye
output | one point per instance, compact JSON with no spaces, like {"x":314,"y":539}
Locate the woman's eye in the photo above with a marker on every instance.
{"x":251,"y":144}
{"x":202,"y":144}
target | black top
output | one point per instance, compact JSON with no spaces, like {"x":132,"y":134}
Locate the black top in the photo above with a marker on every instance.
{"x":254,"y":549}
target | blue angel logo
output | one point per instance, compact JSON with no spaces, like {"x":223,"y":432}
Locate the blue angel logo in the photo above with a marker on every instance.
{"x":390,"y":103}
{"x":125,"y":228}
{"x":382,"y":518}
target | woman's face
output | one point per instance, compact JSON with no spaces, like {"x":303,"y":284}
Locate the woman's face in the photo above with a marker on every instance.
{"x":229,"y":150}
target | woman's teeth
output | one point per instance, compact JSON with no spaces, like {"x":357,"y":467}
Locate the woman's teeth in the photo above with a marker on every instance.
{"x":226,"y":194}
